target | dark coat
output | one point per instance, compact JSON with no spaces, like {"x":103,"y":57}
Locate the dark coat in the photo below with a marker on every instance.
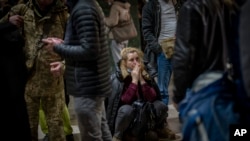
{"x":113,"y":103}
{"x":151,"y":19}
{"x":14,"y":76}
{"x":85,"y":50}
{"x":244,"y":45}
{"x":199,"y":43}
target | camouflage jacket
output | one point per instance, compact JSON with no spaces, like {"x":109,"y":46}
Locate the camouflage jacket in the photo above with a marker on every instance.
{"x":35,"y":28}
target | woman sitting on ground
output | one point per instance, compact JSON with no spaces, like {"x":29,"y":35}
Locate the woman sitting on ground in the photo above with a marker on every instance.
{"x":131,"y":83}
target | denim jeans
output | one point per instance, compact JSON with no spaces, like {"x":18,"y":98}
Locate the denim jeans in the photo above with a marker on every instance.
{"x":164,"y":74}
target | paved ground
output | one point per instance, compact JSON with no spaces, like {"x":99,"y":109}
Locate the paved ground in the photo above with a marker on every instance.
{"x":173,"y":120}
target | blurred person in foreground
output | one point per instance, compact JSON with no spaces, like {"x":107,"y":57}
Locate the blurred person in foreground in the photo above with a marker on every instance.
{"x":14,"y":76}
{"x":207,"y":70}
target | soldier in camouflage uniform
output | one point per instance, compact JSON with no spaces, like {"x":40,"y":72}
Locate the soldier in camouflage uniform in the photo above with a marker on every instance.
{"x":43,"y":18}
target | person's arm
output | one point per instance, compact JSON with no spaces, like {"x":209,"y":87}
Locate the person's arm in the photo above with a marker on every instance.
{"x":130,"y":94}
{"x":7,"y":27}
{"x":11,"y":25}
{"x":148,"y":26}
{"x":113,"y":18}
{"x":188,"y":38}
{"x":87,"y":28}
{"x":148,"y":92}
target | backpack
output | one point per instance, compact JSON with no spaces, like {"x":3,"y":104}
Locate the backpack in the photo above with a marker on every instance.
{"x":209,"y":110}
{"x":208,"y":113}
{"x":145,"y":118}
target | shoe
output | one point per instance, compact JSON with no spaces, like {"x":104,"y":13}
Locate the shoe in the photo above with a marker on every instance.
{"x":46,"y":138}
{"x":151,"y":136}
{"x":70,"y":137}
{"x":166,"y":133}
{"x":115,"y":139}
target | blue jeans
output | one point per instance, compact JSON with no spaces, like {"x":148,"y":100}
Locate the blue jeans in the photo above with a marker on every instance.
{"x":164,"y":74}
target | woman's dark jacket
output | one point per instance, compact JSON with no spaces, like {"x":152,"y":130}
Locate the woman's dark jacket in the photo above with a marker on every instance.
{"x":85,"y":50}
{"x":151,"y":19}
{"x":199,"y":43}
{"x":113,"y":102}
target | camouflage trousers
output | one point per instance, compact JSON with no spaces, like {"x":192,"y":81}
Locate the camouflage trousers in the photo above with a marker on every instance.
{"x":52,"y":102}
{"x":68,"y":130}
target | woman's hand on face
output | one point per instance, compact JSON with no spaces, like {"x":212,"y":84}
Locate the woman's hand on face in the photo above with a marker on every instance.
{"x":135,"y":74}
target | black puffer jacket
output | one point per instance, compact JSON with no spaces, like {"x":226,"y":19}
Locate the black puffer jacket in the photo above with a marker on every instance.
{"x":199,"y":43}
{"x":85,"y":50}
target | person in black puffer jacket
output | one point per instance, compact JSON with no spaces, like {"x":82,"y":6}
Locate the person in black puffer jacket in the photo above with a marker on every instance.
{"x":87,"y":73}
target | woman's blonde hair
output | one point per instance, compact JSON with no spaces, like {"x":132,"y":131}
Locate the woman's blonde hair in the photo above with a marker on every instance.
{"x":124,"y":56}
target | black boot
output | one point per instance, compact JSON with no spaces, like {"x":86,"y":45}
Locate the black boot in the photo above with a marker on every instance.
{"x":70,"y":137}
{"x":46,"y":138}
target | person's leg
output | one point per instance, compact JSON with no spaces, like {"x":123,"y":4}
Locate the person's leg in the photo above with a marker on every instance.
{"x":42,"y":121}
{"x":67,"y":98}
{"x":164,"y":75}
{"x":106,"y":134}
{"x":53,"y":108}
{"x":33,"y":103}
{"x":89,"y":111}
{"x":68,"y":130}
{"x":123,"y":119}
{"x":66,"y":118}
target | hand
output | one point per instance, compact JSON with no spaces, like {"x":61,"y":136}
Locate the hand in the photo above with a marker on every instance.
{"x":16,"y":20}
{"x":56,"y":68}
{"x":51,"y":42}
{"x":142,"y":80}
{"x":135,"y":74}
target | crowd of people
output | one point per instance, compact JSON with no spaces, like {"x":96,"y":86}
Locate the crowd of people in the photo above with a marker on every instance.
{"x":57,"y":48}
